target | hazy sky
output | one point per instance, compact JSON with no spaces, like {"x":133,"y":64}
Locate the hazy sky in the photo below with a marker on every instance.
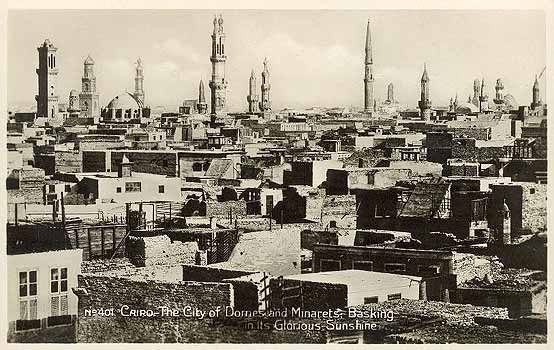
{"x":315,"y":57}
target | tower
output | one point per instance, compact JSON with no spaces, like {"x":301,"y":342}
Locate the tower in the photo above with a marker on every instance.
{"x":390,"y":93}
{"x":218,"y":84}
{"x":425,"y":102}
{"x":499,"y":88}
{"x":265,"y":104}
{"x":368,"y":79}
{"x":202,"y":106}
{"x":484,"y":98}
{"x":476,"y":92}
{"x":47,"y":71}
{"x":139,"y":82}
{"x":536,"y":95}
{"x":88,"y":98}
{"x":504,"y":224}
{"x":252,"y":97}
{"x":125,"y":167}
{"x":74,"y":107}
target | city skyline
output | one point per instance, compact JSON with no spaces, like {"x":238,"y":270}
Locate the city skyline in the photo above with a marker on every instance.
{"x":299,"y":52}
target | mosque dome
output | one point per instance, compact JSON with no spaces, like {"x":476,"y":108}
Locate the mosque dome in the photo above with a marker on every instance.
{"x":73,"y":93}
{"x":510,"y":101}
{"x":124,"y":101}
{"x":467,"y":107}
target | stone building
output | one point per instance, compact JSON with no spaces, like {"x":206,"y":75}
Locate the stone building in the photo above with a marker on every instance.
{"x":218,"y":84}
{"x":47,"y":98}
{"x":88,"y":98}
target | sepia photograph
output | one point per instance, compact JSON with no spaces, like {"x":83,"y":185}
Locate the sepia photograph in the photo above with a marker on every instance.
{"x":277,"y":176}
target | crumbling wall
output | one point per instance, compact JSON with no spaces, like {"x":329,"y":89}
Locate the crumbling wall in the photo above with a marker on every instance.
{"x":68,"y":161}
{"x":315,"y":295}
{"x":468,"y":266}
{"x":223,"y":209}
{"x":159,"y":250}
{"x":533,"y":212}
{"x":339,"y":209}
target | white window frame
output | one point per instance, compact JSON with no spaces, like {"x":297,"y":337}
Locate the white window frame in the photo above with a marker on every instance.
{"x":59,"y":295}
{"x":27,"y":298}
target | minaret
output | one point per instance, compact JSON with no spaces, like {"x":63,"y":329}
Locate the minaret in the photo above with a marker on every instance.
{"x":390,"y":93}
{"x":499,"y":96}
{"x":368,"y":79}
{"x":139,"y":83}
{"x":252,"y":97}
{"x":218,"y":84}
{"x":47,"y":98}
{"x":73,"y":107}
{"x":536,"y":94}
{"x":484,"y":98}
{"x":88,"y":98}
{"x":451,"y":105}
{"x":455,"y":106}
{"x":202,"y":106}
{"x":425,"y":102}
{"x":476,"y":92}
{"x":265,"y":104}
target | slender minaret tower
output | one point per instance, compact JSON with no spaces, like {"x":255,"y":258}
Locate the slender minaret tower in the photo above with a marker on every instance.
{"x":139,"y":81}
{"x":252,"y":97}
{"x":499,"y":88}
{"x":265,"y":104}
{"x":88,"y":98}
{"x":390,"y":93}
{"x":47,"y":71}
{"x":425,"y":102}
{"x":368,"y":79}
{"x":476,"y":92}
{"x":202,"y":106}
{"x":218,"y":84}
{"x":484,"y":98}
{"x":536,"y":94}
{"x":455,"y":106}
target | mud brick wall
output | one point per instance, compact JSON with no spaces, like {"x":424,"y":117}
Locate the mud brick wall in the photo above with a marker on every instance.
{"x":162,"y":163}
{"x":465,"y":268}
{"x":68,"y":161}
{"x":315,"y":295}
{"x":222,"y":209}
{"x":341,"y":209}
{"x":209,"y":274}
{"x":28,"y":186}
{"x":477,"y":154}
{"x":365,"y":158}
{"x":463,"y":169}
{"x":533,"y":212}
{"x":100,"y":145}
{"x":475,"y":133}
{"x":156,"y":250}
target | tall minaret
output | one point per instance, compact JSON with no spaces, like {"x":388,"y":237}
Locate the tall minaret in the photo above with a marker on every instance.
{"x":47,"y":98}
{"x":218,"y":84}
{"x":265,"y":104}
{"x":536,"y":94}
{"x":476,"y":92}
{"x":88,"y":98}
{"x":139,"y":82}
{"x":499,"y":96}
{"x":368,"y":80}
{"x":202,"y":106}
{"x":484,"y":98}
{"x":390,"y":93}
{"x":425,"y":102}
{"x":252,"y":97}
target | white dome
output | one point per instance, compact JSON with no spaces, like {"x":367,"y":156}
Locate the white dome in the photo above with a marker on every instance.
{"x":124,"y":101}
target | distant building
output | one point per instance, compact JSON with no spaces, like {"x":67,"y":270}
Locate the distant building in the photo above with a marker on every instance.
{"x":88,"y":98}
{"x":265,"y":103}
{"x":47,"y":98}
{"x":425,"y":102}
{"x":368,"y":80}
{"x":218,"y":84}
{"x":252,"y":97}
{"x":139,"y":82}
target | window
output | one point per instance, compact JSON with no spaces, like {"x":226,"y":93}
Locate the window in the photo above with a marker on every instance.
{"x":362,"y":265}
{"x":118,"y":189}
{"x":395,"y":267}
{"x":531,"y":191}
{"x":161,"y":189}
{"x":371,"y":300}
{"x":196,"y":166}
{"x":58,"y":291}
{"x":329,"y":265}
{"x":132,"y":187}
{"x":67,"y":188}
{"x":28,"y":287}
{"x":51,"y":188}
{"x":394,"y":296}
